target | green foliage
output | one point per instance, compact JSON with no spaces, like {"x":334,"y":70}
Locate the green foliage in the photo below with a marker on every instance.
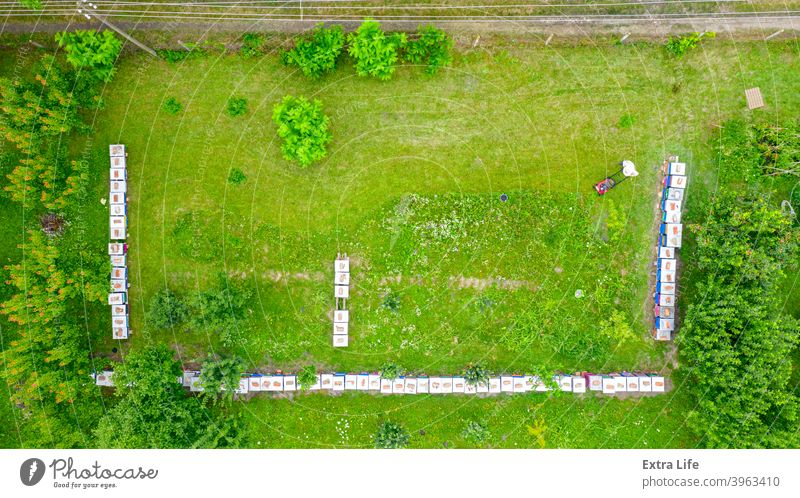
{"x":616,"y":222}
{"x":32,"y":4}
{"x":92,"y":51}
{"x":179,"y":55}
{"x":745,"y":241}
{"x":303,"y":128}
{"x":391,"y":301}
{"x":779,"y":148}
{"x":236,"y":176}
{"x":736,"y":342}
{"x":172,"y":106}
{"x":316,"y":53}
{"x":252,"y":44}
{"x":154,"y":410}
{"x":627,"y":121}
{"x":221,"y":310}
{"x":431,"y":47}
{"x":392,"y":371}
{"x":737,"y":158}
{"x":166,"y":310}
{"x":307,"y":377}
{"x":237,"y":106}
{"x":537,"y":431}
{"x":617,"y":327}
{"x":679,"y":46}
{"x":476,"y":432}
{"x":220,"y":378}
{"x":476,"y":374}
{"x":391,"y":436}
{"x":46,"y":107}
{"x":374,"y":52}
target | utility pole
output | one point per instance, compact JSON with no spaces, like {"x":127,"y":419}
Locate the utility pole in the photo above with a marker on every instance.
{"x":102,"y":19}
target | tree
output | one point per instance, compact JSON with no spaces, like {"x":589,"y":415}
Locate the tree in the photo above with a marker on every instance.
{"x":220,"y":310}
{"x":92,"y":51}
{"x":220,"y":378}
{"x":303,"y":128}
{"x":476,"y":374}
{"x":307,"y":377}
{"x":375,"y":53}
{"x":166,"y":310}
{"x":432,"y":47}
{"x":391,"y":436}
{"x":154,"y":410}
{"x":46,"y":106}
{"x":736,"y":341}
{"x":45,"y":364}
{"x":316,"y":53}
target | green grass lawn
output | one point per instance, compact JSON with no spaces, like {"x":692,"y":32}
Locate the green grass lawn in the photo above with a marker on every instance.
{"x":410,"y":190}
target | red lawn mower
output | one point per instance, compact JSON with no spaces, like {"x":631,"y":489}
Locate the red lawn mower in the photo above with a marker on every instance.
{"x":628,"y":170}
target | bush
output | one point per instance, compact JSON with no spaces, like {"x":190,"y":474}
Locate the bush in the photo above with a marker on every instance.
{"x":172,"y":106}
{"x":391,"y":371}
{"x":236,"y":176}
{"x":172,"y":56}
{"x":317,"y":53}
{"x":391,"y":302}
{"x":237,"y":106}
{"x":303,"y":128}
{"x":166,"y":310}
{"x":432,"y":47}
{"x":252,"y":44}
{"x":617,"y":328}
{"x":375,"y":53}
{"x":476,"y":374}
{"x":307,"y":377}
{"x":476,"y":432}
{"x":735,"y":342}
{"x":95,"y":52}
{"x":391,"y":436}
{"x":220,"y":378}
{"x":681,"y":45}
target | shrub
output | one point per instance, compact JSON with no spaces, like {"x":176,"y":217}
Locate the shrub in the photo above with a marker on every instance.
{"x":627,"y":121}
{"x":432,"y":47}
{"x":220,"y":378}
{"x":172,"y":106}
{"x":391,"y":371}
{"x":391,"y":302}
{"x":317,"y":53}
{"x":252,"y":44}
{"x":391,"y":436}
{"x":237,"y":106}
{"x":172,"y":56}
{"x":221,"y":310}
{"x":681,"y":45}
{"x":476,"y":432}
{"x":476,"y":374}
{"x":736,"y":341}
{"x":236,"y":176}
{"x":307,"y":377}
{"x":617,"y":328}
{"x":93,"y":51}
{"x":166,"y":310}
{"x":779,"y":147}
{"x":375,"y":53}
{"x":303,"y":128}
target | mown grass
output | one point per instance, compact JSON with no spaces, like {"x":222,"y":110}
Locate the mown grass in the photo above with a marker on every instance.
{"x":411,"y":189}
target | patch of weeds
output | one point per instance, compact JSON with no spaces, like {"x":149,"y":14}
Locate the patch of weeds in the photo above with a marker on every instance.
{"x":237,"y":106}
{"x":172,"y":106}
{"x":476,"y":432}
{"x":236,"y":176}
{"x":252,"y":45}
{"x":627,"y":121}
{"x":391,"y":302}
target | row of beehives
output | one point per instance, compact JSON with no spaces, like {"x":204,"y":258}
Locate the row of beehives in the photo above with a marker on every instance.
{"x":669,"y":240}
{"x":341,"y":290}
{"x":604,"y":383}
{"x":117,"y":251}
